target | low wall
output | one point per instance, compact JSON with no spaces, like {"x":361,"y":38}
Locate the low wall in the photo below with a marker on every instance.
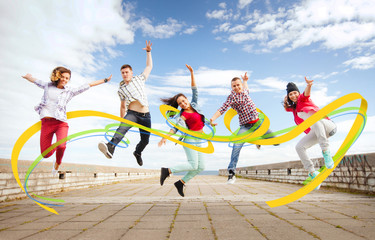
{"x":355,"y":172}
{"x":70,"y":176}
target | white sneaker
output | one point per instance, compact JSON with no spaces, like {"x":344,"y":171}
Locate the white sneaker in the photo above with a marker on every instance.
{"x":54,"y":171}
{"x":231,"y":179}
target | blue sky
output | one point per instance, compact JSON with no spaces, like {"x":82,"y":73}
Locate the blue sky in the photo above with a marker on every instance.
{"x":275,"y":42}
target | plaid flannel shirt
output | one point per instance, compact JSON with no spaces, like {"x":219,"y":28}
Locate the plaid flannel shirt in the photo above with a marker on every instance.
{"x":242,"y":103}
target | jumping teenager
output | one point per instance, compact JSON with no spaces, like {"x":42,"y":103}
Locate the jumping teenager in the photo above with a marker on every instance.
{"x":190,"y":117}
{"x":239,"y":99}
{"x":52,"y":109}
{"x":134,"y":107}
{"x":303,"y":107}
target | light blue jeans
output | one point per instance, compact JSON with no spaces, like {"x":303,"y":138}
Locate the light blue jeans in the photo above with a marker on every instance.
{"x":238,"y":146}
{"x":195,"y":163}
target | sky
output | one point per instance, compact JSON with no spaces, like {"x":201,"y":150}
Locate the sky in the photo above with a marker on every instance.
{"x":275,"y":42}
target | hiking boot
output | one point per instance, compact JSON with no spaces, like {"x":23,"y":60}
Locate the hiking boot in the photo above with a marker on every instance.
{"x":180,"y":187}
{"x":138,"y":157}
{"x":107,"y":149}
{"x":164,"y":173}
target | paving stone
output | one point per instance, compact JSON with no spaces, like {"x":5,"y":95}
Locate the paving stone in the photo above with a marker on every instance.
{"x":211,"y":209}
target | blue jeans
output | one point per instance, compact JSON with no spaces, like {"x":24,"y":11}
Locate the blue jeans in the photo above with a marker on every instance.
{"x":238,"y":146}
{"x":195,"y":163}
{"x":143,"y":119}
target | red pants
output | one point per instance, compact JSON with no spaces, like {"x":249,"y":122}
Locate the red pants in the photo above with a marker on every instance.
{"x":51,"y":126}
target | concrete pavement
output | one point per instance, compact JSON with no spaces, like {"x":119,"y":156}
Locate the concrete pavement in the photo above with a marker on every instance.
{"x":211,"y":209}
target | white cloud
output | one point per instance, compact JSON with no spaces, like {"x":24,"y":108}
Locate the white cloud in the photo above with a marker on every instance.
{"x":319,"y":95}
{"x":272,"y":82}
{"x":243,"y":3}
{"x":39,"y":25}
{"x":222,"y":28}
{"x":205,"y":77}
{"x":325,"y":76}
{"x":222,"y":14}
{"x":223,"y":5}
{"x":81,"y":35}
{"x":238,"y":28}
{"x":336,"y":25}
{"x":242,"y":37}
{"x":363,"y":63}
{"x":191,"y":30}
{"x":167,"y":30}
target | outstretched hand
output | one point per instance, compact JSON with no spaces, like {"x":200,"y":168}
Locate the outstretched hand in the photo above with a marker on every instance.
{"x":109,"y":78}
{"x":190,"y":68}
{"x":162,"y":141}
{"x":212,"y":123}
{"x":28,"y":76}
{"x":245,"y":77}
{"x":148,"y":46}
{"x":309,"y":82}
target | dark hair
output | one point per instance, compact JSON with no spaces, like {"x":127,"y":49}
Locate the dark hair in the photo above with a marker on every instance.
{"x":126,"y":66}
{"x":56,"y":74}
{"x":290,"y":87}
{"x":172,"y":101}
{"x":235,"y":79}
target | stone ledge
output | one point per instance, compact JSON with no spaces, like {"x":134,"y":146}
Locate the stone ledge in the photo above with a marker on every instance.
{"x":355,"y":172}
{"x":70,"y":176}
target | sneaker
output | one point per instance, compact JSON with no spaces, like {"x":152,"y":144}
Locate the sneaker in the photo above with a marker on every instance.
{"x":139,"y":158}
{"x":180,"y":187}
{"x":54,"y":171}
{"x":107,"y":149}
{"x":231,"y":179}
{"x":328,"y":161}
{"x":315,"y":173}
{"x":164,"y":173}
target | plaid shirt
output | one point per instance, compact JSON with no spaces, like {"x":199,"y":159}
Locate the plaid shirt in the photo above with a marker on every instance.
{"x":64,"y":97}
{"x":242,"y":103}
{"x":134,"y":91}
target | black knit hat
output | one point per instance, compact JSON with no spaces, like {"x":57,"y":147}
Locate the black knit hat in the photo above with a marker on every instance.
{"x":291,"y":87}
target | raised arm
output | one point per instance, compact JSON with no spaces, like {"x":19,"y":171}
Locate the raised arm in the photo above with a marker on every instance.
{"x":193,"y":84}
{"x":148,"y":68}
{"x":308,"y":87}
{"x":29,"y":77}
{"x":98,"y":82}
{"x":245,"y":78}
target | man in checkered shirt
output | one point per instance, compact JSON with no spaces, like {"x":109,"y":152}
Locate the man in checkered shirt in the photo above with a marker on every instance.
{"x":134,"y":107}
{"x":239,"y":99}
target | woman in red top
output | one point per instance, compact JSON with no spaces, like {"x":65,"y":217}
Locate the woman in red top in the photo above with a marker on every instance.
{"x":303,"y":107}
{"x":191,"y":118}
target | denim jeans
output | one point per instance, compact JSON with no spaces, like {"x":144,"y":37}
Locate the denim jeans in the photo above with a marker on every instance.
{"x":195,"y":160}
{"x":238,"y":146}
{"x":143,"y":119}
